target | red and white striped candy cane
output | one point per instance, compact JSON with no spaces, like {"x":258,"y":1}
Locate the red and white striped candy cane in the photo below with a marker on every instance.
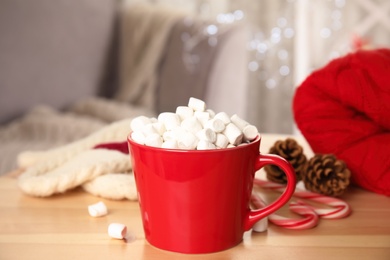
{"x":339,"y":208}
{"x":310,"y":219}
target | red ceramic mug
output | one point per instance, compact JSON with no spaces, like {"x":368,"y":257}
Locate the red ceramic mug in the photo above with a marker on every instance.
{"x":197,"y":201}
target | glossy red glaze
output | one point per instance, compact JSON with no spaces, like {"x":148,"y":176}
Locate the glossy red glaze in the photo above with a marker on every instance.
{"x":198,"y":201}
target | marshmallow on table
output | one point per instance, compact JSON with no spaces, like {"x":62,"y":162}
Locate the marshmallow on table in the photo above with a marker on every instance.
{"x":197,"y":104}
{"x":97,"y":210}
{"x":261,"y":225}
{"x":233,"y":134}
{"x":117,"y":230}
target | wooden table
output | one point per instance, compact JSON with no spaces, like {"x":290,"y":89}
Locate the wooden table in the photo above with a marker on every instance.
{"x":60,"y":227}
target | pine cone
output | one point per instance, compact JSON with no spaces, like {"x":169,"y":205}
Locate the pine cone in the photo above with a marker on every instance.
{"x":326,"y":175}
{"x":290,"y":150}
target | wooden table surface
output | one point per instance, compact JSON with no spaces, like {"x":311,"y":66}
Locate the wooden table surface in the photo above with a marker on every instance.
{"x":60,"y":227}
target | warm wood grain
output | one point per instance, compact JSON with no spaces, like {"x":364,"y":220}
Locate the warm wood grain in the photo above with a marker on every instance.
{"x":59,"y":227}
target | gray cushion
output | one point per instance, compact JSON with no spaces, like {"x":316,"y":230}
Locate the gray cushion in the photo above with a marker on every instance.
{"x":52,"y":52}
{"x":215,"y":72}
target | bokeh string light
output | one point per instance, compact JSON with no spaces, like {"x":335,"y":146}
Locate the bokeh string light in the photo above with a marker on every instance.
{"x":271,"y":50}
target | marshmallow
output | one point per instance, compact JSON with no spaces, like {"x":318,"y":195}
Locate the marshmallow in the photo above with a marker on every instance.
{"x":170,"y":144}
{"x":221,"y":141}
{"x":184,"y":112}
{"x":224,"y":117}
{"x":231,"y":146}
{"x":239,"y":122}
{"x":168,"y":135}
{"x":154,"y":140}
{"x":211,"y":112}
{"x":138,"y":137}
{"x":170,"y":120}
{"x":149,"y":129}
{"x":202,"y":117}
{"x":98,"y":209}
{"x":187,"y":141}
{"x":174,"y":134}
{"x":261,"y":225}
{"x":206,"y":134}
{"x":117,"y":230}
{"x":197,"y":104}
{"x":250,"y":132}
{"x":138,"y":123}
{"x":160,"y":127}
{"x":191,"y":125}
{"x":233,"y":134}
{"x":215,"y":124}
{"x":205,"y":145}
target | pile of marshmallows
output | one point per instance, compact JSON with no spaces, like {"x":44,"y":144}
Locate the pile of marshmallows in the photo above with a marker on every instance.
{"x":192,"y":127}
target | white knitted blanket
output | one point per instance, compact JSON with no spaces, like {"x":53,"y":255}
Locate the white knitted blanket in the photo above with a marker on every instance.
{"x":44,"y":128}
{"x":55,"y":149}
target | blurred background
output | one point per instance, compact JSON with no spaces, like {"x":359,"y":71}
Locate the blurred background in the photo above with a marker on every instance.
{"x":69,"y":67}
{"x":284,"y":41}
{"x":290,"y":38}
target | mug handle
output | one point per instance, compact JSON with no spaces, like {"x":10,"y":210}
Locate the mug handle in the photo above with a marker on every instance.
{"x":263,"y":159}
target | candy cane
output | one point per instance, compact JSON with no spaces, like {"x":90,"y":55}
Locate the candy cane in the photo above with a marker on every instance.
{"x":310,"y":219}
{"x":340,"y":209}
